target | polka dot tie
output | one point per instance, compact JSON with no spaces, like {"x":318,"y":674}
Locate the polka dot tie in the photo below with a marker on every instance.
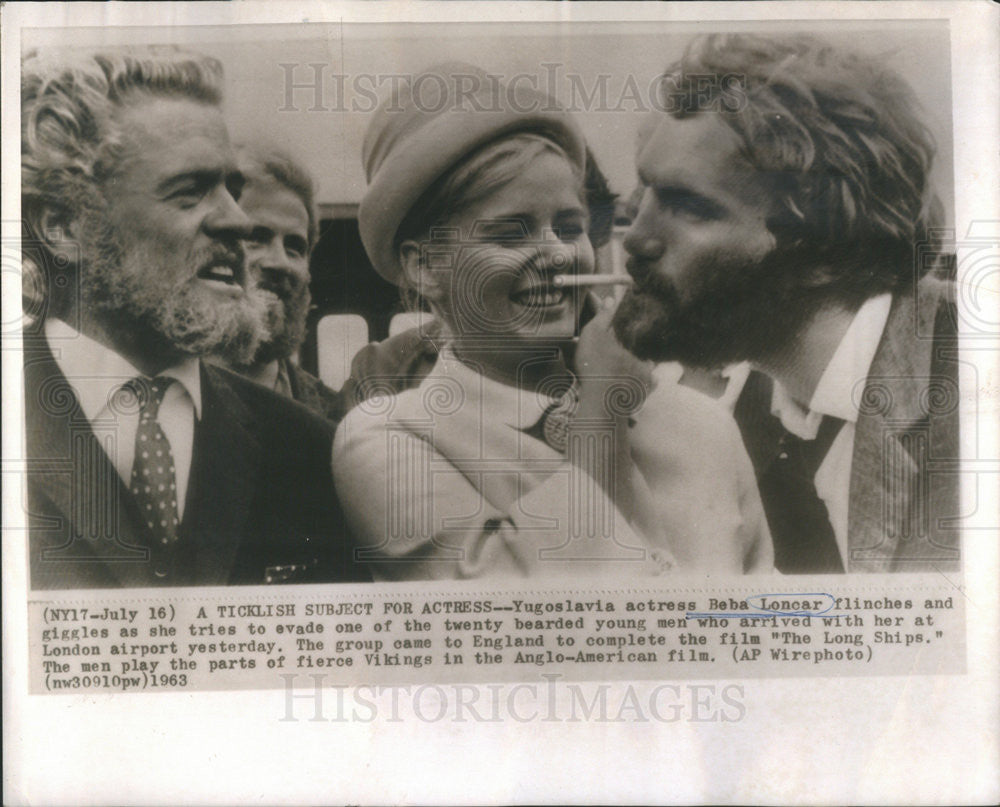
{"x":154,"y":483}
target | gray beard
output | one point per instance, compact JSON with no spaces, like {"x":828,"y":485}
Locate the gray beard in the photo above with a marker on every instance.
{"x":119,"y":288}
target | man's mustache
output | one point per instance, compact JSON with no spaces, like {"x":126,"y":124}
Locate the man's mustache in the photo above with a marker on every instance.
{"x":283,"y":285}
{"x":648,"y":281}
{"x":223,"y":254}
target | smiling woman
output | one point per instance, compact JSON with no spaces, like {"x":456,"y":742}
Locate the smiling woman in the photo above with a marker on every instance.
{"x":513,"y":457}
{"x":512,"y":217}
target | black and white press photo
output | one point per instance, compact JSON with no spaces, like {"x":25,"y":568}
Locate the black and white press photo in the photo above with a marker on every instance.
{"x":472,"y":316}
{"x":605,"y":391}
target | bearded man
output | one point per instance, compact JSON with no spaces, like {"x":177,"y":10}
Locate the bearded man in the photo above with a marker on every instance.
{"x":786,"y":221}
{"x":146,"y":466}
{"x":278,"y":198}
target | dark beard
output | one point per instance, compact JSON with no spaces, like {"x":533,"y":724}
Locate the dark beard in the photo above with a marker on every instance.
{"x":286,"y":325}
{"x":741,"y":312}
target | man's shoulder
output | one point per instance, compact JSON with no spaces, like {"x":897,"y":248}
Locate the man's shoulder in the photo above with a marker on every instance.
{"x":923,"y":317}
{"x":392,"y":365}
{"x":396,"y":354}
{"x":310,"y":391}
{"x":304,"y":378}
{"x":270,"y":410}
{"x":939,"y":295}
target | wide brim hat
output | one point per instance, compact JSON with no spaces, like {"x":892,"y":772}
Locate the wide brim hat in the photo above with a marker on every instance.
{"x":429,"y":123}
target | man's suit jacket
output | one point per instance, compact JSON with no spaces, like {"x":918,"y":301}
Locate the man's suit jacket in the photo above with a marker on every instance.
{"x":260,"y":503}
{"x":393,"y":365}
{"x":313,"y":393}
{"x":904,"y":491}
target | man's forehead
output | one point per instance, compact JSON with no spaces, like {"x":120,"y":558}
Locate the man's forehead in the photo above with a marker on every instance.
{"x":266,"y":196}
{"x":175,"y":132}
{"x":698,"y":146}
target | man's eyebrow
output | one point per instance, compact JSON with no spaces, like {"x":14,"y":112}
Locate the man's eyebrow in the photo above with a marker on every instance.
{"x":580,"y":209}
{"x":672,"y":185}
{"x":198,"y":176}
{"x":529,"y":218}
{"x":680,"y":190}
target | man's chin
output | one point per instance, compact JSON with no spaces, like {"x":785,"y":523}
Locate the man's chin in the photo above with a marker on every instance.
{"x":658,"y":332}
{"x":639,"y":324}
{"x":199,"y":327}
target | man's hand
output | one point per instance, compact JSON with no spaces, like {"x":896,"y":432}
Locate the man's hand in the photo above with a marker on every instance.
{"x":613,"y":382}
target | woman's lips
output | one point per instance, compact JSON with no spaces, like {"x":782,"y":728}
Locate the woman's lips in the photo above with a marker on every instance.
{"x":540,"y":296}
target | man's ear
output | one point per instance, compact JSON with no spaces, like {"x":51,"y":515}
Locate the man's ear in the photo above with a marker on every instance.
{"x":59,"y":231}
{"x":416,"y":272}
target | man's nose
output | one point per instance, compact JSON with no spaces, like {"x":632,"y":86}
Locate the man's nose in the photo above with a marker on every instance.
{"x":642,"y":239}
{"x":273,"y":256}
{"x":227,"y":219}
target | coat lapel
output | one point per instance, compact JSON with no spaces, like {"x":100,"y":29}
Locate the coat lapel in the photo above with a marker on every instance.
{"x":889,"y":522}
{"x":75,"y":492}
{"x":224,"y":474}
{"x":302,"y":391}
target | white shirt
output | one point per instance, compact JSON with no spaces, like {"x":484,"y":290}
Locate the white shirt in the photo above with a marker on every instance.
{"x":96,"y":373}
{"x":837,"y":394}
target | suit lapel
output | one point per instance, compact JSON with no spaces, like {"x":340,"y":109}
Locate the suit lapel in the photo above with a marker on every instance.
{"x":889,"y":481}
{"x":73,"y":481}
{"x":224,"y":470}
{"x":302,"y":392}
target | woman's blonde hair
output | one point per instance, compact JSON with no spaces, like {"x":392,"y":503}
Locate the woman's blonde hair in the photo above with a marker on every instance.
{"x":479,"y":174}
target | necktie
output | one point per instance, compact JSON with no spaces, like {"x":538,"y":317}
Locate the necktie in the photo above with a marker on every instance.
{"x":804,"y":541}
{"x":154,"y":484}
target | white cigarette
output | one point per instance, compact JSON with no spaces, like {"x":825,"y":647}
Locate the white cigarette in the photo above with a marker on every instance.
{"x":591,"y":280}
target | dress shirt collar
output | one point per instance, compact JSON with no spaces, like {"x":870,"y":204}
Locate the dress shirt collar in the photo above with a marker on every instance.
{"x":282,"y":383}
{"x":518,"y":408}
{"x":736,"y":376}
{"x":836,"y":393}
{"x":96,"y":372}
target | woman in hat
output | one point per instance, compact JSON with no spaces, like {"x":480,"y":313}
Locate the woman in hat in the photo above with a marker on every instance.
{"x":509,"y":458}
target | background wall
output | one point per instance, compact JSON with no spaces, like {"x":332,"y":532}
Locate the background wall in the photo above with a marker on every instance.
{"x":341,"y":71}
{"x":329,"y":140}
